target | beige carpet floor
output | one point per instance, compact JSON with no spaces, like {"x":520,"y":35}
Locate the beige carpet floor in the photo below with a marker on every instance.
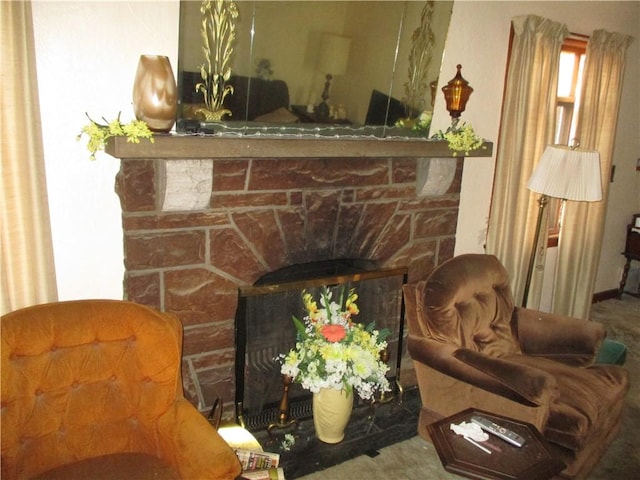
{"x":417,"y":459}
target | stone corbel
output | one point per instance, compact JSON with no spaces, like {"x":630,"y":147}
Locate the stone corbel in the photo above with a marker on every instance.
{"x":185,"y":185}
{"x":435,"y":175}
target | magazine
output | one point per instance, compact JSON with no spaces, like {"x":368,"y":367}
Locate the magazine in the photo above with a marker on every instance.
{"x":256,"y":460}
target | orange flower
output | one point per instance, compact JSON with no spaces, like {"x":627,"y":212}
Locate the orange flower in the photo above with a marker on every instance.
{"x":333,"y":333}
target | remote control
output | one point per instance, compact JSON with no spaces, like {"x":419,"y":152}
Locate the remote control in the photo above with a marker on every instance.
{"x":504,"y":433}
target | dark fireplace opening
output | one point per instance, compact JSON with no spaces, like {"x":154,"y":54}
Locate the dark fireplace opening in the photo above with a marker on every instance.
{"x":264,"y":329}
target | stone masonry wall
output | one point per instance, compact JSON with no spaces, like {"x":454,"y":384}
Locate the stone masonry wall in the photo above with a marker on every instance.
{"x":266,"y":214}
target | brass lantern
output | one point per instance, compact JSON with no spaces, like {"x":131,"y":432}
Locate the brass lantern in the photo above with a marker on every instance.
{"x":456,"y":94}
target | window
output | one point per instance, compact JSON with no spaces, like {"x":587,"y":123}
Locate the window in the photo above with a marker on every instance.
{"x":569,"y":86}
{"x":572,"y":59}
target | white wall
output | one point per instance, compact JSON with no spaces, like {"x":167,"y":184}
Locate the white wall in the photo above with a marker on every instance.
{"x":480,"y":44}
{"x":87,"y":53}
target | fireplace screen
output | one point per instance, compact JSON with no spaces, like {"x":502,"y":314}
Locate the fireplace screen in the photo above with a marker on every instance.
{"x":264,"y":329}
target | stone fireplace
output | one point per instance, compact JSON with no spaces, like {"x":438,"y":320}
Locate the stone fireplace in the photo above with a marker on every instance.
{"x":205,"y":216}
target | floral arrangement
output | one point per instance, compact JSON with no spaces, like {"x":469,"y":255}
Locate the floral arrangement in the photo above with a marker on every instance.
{"x":332,"y":351}
{"x":99,"y":134}
{"x":461,"y":139}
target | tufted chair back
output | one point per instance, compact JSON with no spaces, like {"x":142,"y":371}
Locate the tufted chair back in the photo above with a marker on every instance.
{"x":85,"y":379}
{"x":468,"y":304}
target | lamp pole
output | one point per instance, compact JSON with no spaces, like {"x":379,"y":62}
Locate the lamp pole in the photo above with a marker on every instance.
{"x":542,"y":203}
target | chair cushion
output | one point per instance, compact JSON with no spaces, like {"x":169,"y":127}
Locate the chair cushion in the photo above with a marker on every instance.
{"x":588,"y":398}
{"x":132,"y":466}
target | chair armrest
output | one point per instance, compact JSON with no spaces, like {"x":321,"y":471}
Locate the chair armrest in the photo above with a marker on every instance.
{"x":537,"y":386}
{"x":569,"y":340}
{"x":193,"y":447}
{"x":526,"y":385}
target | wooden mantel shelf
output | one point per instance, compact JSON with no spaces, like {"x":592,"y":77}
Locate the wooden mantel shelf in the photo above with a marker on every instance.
{"x":176,"y":146}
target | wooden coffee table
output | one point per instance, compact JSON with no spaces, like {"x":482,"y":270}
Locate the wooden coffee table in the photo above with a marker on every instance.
{"x":532,"y":461}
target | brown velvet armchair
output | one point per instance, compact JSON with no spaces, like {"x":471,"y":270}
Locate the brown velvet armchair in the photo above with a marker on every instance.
{"x":93,"y":389}
{"x":472,"y":348}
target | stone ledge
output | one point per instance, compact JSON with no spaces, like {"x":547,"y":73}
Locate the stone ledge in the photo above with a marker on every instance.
{"x":176,"y":146}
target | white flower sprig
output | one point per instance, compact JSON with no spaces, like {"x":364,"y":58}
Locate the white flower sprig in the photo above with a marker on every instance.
{"x":288,"y":442}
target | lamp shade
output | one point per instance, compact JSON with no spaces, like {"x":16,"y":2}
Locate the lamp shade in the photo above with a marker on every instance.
{"x":568,"y":173}
{"x":334,"y":54}
{"x":457,"y":93}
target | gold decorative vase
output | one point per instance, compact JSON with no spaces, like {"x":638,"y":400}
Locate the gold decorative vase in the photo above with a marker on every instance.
{"x":331,"y":413}
{"x":155,"y":95}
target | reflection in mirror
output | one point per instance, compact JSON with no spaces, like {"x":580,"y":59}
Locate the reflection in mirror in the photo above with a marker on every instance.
{"x":337,"y":68}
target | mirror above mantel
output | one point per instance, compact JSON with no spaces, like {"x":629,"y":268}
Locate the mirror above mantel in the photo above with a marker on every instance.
{"x":279,"y":83}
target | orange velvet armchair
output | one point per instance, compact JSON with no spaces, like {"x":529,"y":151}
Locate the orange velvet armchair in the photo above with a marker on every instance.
{"x":472,"y":348}
{"x":93,"y":389}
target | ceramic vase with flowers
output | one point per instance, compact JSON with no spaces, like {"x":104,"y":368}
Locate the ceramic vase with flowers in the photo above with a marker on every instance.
{"x":334,"y":357}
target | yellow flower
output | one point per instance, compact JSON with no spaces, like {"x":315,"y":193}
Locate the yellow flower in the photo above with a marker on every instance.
{"x":330,"y":352}
{"x":352,"y":308}
{"x":309,"y":304}
{"x":99,"y":135}
{"x":292,"y":357}
{"x":461,"y":139}
{"x":115,"y":128}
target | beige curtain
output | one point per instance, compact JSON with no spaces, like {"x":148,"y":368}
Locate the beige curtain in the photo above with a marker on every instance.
{"x":28,"y":275}
{"x":583,"y":228}
{"x":527,"y":126}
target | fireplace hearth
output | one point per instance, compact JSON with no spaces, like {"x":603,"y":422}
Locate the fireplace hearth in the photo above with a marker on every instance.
{"x":371,"y":427}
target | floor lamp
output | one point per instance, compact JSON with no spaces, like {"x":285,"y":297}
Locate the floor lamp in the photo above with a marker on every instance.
{"x":567,"y":173}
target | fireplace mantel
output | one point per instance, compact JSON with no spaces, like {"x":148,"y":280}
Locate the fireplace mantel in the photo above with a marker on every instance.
{"x":176,"y":146}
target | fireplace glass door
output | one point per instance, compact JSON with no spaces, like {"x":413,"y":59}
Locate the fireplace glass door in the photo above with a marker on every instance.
{"x":265,"y":329}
